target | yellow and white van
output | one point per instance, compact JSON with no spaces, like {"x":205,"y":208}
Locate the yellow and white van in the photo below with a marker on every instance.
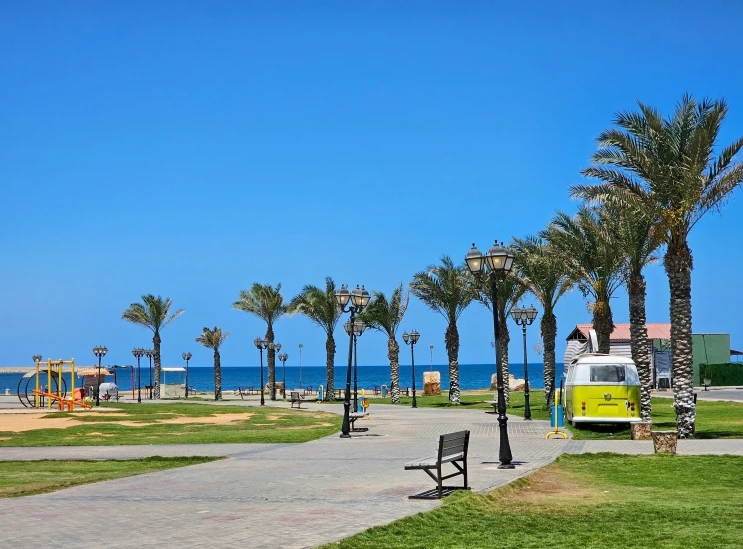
{"x":602,"y":389}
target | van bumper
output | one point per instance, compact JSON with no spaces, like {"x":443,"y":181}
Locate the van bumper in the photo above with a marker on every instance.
{"x":587,"y":419}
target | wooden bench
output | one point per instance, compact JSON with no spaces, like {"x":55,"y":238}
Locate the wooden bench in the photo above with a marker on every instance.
{"x":296,"y":399}
{"x":452,"y":449}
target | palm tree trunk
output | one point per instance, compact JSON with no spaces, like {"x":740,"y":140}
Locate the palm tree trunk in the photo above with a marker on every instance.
{"x":679,"y":263}
{"x":548,"y":327}
{"x":505,"y":338}
{"x":271,"y":359}
{"x":603,"y":323}
{"x":452,"y":350}
{"x":156,"y":353}
{"x":330,"y":366}
{"x":393,"y":354}
{"x":217,"y":376}
{"x":639,"y":339}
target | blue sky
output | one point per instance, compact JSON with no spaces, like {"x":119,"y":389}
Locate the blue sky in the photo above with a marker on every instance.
{"x":191,"y":148}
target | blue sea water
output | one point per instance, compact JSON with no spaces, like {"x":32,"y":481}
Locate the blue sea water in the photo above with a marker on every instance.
{"x":471,"y":376}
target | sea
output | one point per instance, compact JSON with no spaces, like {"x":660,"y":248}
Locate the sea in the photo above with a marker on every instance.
{"x":471,"y":376}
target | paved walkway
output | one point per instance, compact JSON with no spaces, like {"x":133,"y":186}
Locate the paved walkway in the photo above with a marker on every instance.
{"x":282,"y":495}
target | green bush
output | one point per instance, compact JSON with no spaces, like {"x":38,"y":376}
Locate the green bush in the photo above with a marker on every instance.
{"x":722,"y":375}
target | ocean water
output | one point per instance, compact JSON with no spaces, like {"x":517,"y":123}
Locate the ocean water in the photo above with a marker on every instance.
{"x":471,"y":376}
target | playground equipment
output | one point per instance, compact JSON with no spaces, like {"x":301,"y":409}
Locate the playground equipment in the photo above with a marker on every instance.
{"x":33,"y":395}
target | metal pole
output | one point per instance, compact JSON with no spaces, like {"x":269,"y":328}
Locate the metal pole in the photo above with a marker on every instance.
{"x":263,"y":403}
{"x":346,"y":428}
{"x":355,"y":376}
{"x":98,"y":393}
{"x":504,"y":456}
{"x":527,"y":409}
{"x":412,"y":366}
{"x":300,"y":365}
{"x":139,"y":381}
{"x":187,"y":378}
{"x":283,"y":369}
{"x":150,"y":357}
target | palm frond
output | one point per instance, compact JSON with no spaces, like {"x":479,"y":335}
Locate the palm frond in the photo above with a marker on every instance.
{"x":318,"y":305}
{"x":446,"y":288}
{"x":152,"y":313}
{"x":263,"y":301}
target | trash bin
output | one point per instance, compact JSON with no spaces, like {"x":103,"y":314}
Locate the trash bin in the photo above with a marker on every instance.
{"x":559,"y":416}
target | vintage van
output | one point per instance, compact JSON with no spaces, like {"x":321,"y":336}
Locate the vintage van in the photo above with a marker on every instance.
{"x":602,"y":388}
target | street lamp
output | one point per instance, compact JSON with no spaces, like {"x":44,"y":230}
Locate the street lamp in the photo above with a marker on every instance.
{"x":525,"y":317}
{"x":138,"y":353}
{"x":283,"y":358}
{"x":499,"y":261}
{"x":261,"y":344}
{"x":272,"y":386}
{"x":186,"y":357}
{"x":300,"y":365}
{"x":100,"y":352}
{"x":358,"y":299}
{"x":431,"y":348}
{"x":149,"y":353}
{"x":358,"y":328}
{"x":36,"y":358}
{"x":411,"y":339}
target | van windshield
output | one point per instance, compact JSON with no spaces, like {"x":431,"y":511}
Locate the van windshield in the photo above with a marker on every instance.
{"x":607,"y":373}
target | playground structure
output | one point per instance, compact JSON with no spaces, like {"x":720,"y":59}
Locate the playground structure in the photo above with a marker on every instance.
{"x":56,"y":386}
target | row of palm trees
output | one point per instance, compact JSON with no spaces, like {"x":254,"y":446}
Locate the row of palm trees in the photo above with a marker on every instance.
{"x":655,"y":178}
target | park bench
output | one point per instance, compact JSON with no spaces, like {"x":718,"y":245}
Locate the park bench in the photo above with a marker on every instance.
{"x":493,"y":403}
{"x":452,"y":449}
{"x":353,"y":416}
{"x":245,"y":391}
{"x":296,"y":399}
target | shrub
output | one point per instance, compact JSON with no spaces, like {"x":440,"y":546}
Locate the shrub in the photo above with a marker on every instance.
{"x":727,"y":374}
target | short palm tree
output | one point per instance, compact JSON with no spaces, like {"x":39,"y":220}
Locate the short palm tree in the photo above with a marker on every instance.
{"x":152,"y":313}
{"x":386,"y":316}
{"x":447,"y":289}
{"x":510,"y":290}
{"x":321,"y":308}
{"x":668,"y":169}
{"x":213,"y":339}
{"x":546,"y":276}
{"x":265,"y":302}
{"x":588,"y":247}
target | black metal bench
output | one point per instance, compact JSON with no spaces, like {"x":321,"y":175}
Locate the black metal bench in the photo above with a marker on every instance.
{"x":296,"y":399}
{"x":452,"y":449}
{"x":353,"y":416}
{"x":245,"y":391}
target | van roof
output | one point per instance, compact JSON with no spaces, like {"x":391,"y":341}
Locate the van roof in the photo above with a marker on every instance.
{"x":599,"y":358}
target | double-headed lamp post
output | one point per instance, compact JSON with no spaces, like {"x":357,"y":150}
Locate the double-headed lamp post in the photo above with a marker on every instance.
{"x":273,"y":348}
{"x":100,"y":352}
{"x":411,"y":339}
{"x":138,"y":353}
{"x":186,"y":356}
{"x":525,"y":317}
{"x":36,"y":358}
{"x":358,"y":299}
{"x":358,"y":328}
{"x":261,"y":344}
{"x":499,"y":261}
{"x":149,"y":353}
{"x":283,"y":358}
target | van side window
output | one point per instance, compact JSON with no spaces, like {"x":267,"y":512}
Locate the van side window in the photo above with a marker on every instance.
{"x":608,"y":373}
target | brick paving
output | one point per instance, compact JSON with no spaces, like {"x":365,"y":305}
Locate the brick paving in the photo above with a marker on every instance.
{"x":282,"y":495}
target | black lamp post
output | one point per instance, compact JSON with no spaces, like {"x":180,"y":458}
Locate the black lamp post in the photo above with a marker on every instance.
{"x":100,"y":352}
{"x":358,"y":298}
{"x":411,"y":339}
{"x":138,"y":353}
{"x":358,"y":328}
{"x":283,"y":358}
{"x":186,"y":357}
{"x":300,"y":365}
{"x":261,"y":344}
{"x":525,"y":317}
{"x":499,"y":261}
{"x":149,"y":353}
{"x":36,"y":358}
{"x":274,"y":348}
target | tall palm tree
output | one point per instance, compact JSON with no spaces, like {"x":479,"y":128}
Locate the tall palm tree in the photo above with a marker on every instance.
{"x":153,"y":313}
{"x":265,"y":302}
{"x":547,"y":278}
{"x":587,"y":245}
{"x":668,"y":169}
{"x":386,"y":316}
{"x":321,"y":308}
{"x":510,"y":290}
{"x":213,"y":339}
{"x":447,"y":289}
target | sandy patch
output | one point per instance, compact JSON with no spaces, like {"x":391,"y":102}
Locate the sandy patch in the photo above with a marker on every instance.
{"x":295,"y":427}
{"x":274,"y":417}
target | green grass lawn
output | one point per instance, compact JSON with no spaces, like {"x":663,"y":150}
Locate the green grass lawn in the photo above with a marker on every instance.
{"x":25,"y":478}
{"x":177,"y":424}
{"x":591,"y":501}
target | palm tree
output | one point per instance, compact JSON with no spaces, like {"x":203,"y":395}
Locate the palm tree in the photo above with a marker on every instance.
{"x":152,"y":313}
{"x":213,"y":339}
{"x":510,"y":290}
{"x":587,"y":245}
{"x":447,"y":289}
{"x":546,"y":276}
{"x":321,"y":308}
{"x":386,"y":316}
{"x":666,"y":168}
{"x":265,"y":302}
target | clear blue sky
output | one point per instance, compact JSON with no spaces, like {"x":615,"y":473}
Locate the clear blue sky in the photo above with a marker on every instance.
{"x":191,"y":148}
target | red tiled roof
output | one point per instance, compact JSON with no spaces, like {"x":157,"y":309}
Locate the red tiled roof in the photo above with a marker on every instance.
{"x":621,"y":331}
